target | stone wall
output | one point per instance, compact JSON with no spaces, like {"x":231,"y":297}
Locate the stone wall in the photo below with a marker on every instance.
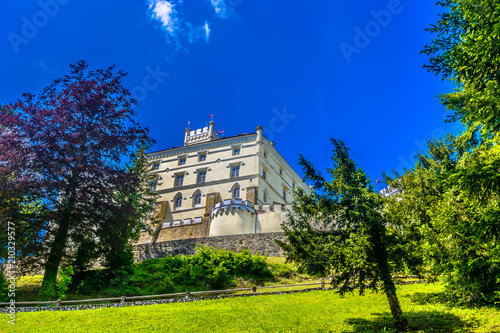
{"x":262,"y":243}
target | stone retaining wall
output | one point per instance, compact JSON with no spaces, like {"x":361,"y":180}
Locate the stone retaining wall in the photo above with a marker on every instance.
{"x":262,"y":243}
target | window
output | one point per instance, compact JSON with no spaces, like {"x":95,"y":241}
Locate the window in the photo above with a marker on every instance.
{"x":236,"y":150}
{"x":197,"y":220}
{"x":281,"y":172}
{"x":293,"y":186}
{"x":152,"y":185}
{"x":179,"y":180}
{"x":197,"y":200}
{"x":284,"y":194}
{"x":265,"y":154}
{"x":264,"y":173}
{"x":201,"y":176}
{"x":202,"y":157}
{"x":156,"y":166}
{"x":178,"y":202}
{"x":182,"y":160}
{"x":235,"y":171}
{"x":264,"y":196}
{"x":236,"y":192}
{"x":187,"y":221}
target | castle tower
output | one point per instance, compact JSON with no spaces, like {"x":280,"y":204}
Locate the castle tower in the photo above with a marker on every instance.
{"x":200,"y":135}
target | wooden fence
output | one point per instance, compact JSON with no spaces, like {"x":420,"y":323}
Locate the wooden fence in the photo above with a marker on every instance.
{"x":123,"y":299}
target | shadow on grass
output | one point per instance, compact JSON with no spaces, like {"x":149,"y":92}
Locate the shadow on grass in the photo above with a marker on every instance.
{"x":426,"y":321}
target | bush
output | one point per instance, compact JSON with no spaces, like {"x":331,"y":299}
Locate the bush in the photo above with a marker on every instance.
{"x":205,"y":270}
{"x":4,"y":290}
{"x":64,"y":276}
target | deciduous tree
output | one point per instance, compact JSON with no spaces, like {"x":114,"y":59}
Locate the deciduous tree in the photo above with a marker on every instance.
{"x":64,"y":149}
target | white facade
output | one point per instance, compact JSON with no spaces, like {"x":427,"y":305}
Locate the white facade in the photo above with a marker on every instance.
{"x":215,"y":186}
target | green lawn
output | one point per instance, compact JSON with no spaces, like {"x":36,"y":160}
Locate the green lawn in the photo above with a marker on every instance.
{"x":319,"y":311}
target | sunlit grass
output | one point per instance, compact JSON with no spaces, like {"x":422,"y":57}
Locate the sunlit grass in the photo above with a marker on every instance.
{"x":318,"y":311}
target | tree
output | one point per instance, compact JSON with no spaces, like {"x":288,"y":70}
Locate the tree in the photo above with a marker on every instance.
{"x":460,"y":220}
{"x":64,"y":149}
{"x":340,"y":230}
{"x":122,"y":232}
{"x":466,"y":50}
{"x":448,"y":203}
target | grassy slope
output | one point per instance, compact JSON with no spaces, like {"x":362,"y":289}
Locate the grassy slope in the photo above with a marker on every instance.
{"x":308,"y":312}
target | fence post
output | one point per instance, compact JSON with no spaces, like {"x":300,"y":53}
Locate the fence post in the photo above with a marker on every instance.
{"x":187,"y":294}
{"x":322,"y":284}
{"x":122,"y":301}
{"x":58,"y":304}
{"x":254,"y":289}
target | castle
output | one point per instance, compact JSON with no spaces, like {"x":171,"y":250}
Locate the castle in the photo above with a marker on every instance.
{"x":213,"y":187}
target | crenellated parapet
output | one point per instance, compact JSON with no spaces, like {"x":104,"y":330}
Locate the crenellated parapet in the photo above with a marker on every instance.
{"x":200,"y":135}
{"x":230,"y":205}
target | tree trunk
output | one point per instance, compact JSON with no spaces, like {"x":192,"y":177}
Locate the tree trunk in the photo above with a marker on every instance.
{"x":48,"y":289}
{"x":397,"y":314}
{"x":378,"y":235}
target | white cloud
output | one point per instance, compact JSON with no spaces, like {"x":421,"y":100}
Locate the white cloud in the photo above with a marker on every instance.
{"x":207,"y":30}
{"x":164,"y":12}
{"x":220,"y":8}
{"x":195,"y":33}
{"x":175,"y":25}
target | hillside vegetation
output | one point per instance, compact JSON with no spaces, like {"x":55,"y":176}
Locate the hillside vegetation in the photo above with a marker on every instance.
{"x":208,"y":269}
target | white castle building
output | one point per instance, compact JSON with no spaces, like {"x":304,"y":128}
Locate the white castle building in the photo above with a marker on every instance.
{"x":215,"y":186}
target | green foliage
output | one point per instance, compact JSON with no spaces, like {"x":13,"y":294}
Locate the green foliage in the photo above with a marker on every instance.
{"x":339,"y":230}
{"x":208,"y":269}
{"x":4,"y":291}
{"x":465,"y":50}
{"x":64,"y":277}
{"x":449,"y":204}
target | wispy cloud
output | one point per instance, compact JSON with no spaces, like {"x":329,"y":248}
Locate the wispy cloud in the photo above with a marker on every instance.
{"x":220,"y":8}
{"x":225,"y":8}
{"x":178,"y":29}
{"x":201,"y":32}
{"x":164,"y":12}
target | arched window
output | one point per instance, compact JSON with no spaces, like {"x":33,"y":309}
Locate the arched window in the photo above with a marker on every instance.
{"x":197,"y":199}
{"x":236,"y":192}
{"x":178,"y":202}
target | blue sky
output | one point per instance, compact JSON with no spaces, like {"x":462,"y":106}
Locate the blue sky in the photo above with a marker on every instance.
{"x":304,"y":70}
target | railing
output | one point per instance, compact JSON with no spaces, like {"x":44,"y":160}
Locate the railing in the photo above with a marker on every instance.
{"x":123,"y":299}
{"x":186,"y":294}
